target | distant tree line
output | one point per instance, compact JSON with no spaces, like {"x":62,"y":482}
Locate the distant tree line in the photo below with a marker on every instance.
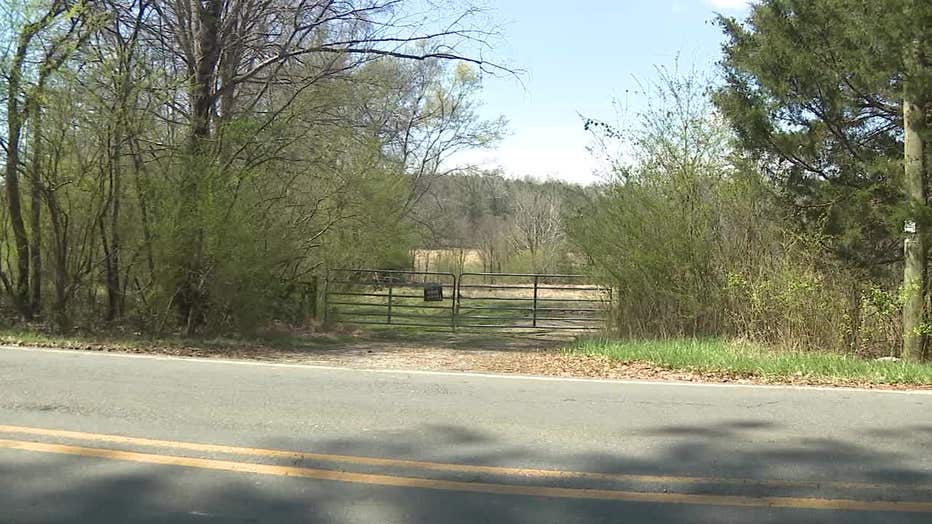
{"x":514,"y":225}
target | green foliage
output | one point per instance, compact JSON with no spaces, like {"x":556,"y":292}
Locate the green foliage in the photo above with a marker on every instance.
{"x":814,"y":90}
{"x":219,"y":232}
{"x":695,"y":243}
{"x":747,"y":360}
{"x":654,"y":232}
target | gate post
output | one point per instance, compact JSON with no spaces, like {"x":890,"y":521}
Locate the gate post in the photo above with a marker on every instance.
{"x":454,"y":305}
{"x":312,"y":293}
{"x":390,"y":278}
{"x":326,"y":316}
{"x":536,"y":279}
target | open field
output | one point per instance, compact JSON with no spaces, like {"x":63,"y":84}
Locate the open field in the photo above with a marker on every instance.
{"x":446,"y":259}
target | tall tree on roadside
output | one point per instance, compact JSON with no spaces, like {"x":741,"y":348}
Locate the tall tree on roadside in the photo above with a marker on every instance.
{"x":828,"y":95}
{"x":235,"y":53}
{"x":42,"y":45}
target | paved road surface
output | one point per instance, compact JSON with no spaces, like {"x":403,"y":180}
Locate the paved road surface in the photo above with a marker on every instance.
{"x":90,"y":437}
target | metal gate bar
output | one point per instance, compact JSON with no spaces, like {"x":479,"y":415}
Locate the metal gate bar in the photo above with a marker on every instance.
{"x":368,"y":296}
{"x":549,"y":301}
{"x":504,"y":301}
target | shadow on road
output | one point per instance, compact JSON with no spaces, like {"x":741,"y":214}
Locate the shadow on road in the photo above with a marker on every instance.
{"x":53,"y":488}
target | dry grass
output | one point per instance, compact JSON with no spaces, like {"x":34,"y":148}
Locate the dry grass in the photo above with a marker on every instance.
{"x":443,"y":259}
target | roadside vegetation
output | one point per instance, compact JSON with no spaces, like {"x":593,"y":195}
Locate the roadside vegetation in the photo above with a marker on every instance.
{"x":746,"y":360}
{"x":773,"y":205}
{"x":188,"y":173}
{"x":139,"y":342}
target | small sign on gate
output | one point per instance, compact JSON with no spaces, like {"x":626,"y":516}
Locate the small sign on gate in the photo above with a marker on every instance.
{"x":433,"y":292}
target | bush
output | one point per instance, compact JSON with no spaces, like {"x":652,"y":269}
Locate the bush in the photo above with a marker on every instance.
{"x":694,"y":242}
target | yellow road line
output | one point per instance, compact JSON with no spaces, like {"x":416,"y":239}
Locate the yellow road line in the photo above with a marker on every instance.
{"x":471,"y":487}
{"x":547,"y":474}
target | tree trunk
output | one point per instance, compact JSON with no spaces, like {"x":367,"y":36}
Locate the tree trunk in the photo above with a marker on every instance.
{"x":35,"y":216}
{"x":15,"y":121}
{"x":191,"y":297}
{"x":60,"y":259}
{"x":916,"y":246}
{"x":112,"y":262}
{"x":143,"y":203}
{"x":915,"y":105}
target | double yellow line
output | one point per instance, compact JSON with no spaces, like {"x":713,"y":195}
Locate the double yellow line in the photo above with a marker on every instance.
{"x":449,"y":485}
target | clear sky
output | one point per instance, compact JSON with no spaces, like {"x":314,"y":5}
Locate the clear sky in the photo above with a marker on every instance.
{"x":578,"y":57}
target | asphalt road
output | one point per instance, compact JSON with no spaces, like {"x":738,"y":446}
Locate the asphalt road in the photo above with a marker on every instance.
{"x":88,"y":437}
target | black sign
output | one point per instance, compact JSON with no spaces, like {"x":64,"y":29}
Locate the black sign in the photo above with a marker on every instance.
{"x":433,"y":292}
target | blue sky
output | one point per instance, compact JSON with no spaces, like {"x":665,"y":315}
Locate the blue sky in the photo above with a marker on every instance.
{"x":578,"y":57}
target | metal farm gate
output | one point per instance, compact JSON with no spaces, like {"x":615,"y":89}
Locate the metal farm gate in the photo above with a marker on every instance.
{"x":389,"y":297}
{"x":521,"y":302}
{"x":509,"y":302}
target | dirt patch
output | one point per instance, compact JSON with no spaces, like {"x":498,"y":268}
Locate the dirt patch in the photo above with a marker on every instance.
{"x":525,"y":355}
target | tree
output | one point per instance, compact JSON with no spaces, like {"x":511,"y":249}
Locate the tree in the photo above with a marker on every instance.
{"x":657,"y":230}
{"x":425,"y":112}
{"x":45,"y":39}
{"x":828,"y":96}
{"x":537,"y":228}
{"x":235,"y":54}
{"x":188,"y":163}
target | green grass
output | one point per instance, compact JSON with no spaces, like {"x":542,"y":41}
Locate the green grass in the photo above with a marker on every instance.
{"x":749,"y":360}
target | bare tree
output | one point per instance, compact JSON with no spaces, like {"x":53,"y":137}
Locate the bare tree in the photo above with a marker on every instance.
{"x":538,"y":225}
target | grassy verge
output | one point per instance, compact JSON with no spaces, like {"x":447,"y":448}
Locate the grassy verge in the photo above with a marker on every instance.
{"x":706,"y":359}
{"x":118,"y":340}
{"x":243,"y":346}
{"x":746,"y":360}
